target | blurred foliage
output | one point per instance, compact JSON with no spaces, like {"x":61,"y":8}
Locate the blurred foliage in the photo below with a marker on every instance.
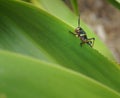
{"x":40,"y":58}
{"x":116,"y":3}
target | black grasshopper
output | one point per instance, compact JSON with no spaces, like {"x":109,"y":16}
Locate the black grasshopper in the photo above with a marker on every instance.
{"x":80,"y":33}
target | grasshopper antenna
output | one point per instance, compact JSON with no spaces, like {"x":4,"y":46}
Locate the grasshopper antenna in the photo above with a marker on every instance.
{"x":79,"y":21}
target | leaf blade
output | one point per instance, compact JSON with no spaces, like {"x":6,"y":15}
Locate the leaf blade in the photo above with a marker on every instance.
{"x":58,"y":9}
{"x":64,"y":48}
{"x":23,"y":77}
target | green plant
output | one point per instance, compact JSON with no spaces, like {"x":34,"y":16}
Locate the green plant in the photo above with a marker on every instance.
{"x":116,"y":3}
{"x":40,"y":59}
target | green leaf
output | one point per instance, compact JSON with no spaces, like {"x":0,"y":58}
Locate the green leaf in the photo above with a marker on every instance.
{"x":74,"y":4}
{"x":24,"y":77}
{"x":61,"y":11}
{"x":116,"y":3}
{"x":31,"y":31}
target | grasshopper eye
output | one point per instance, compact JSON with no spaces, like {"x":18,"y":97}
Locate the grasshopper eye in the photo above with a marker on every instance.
{"x":77,"y":30}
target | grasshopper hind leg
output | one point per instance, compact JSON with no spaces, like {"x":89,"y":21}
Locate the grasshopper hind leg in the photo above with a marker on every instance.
{"x":91,"y":42}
